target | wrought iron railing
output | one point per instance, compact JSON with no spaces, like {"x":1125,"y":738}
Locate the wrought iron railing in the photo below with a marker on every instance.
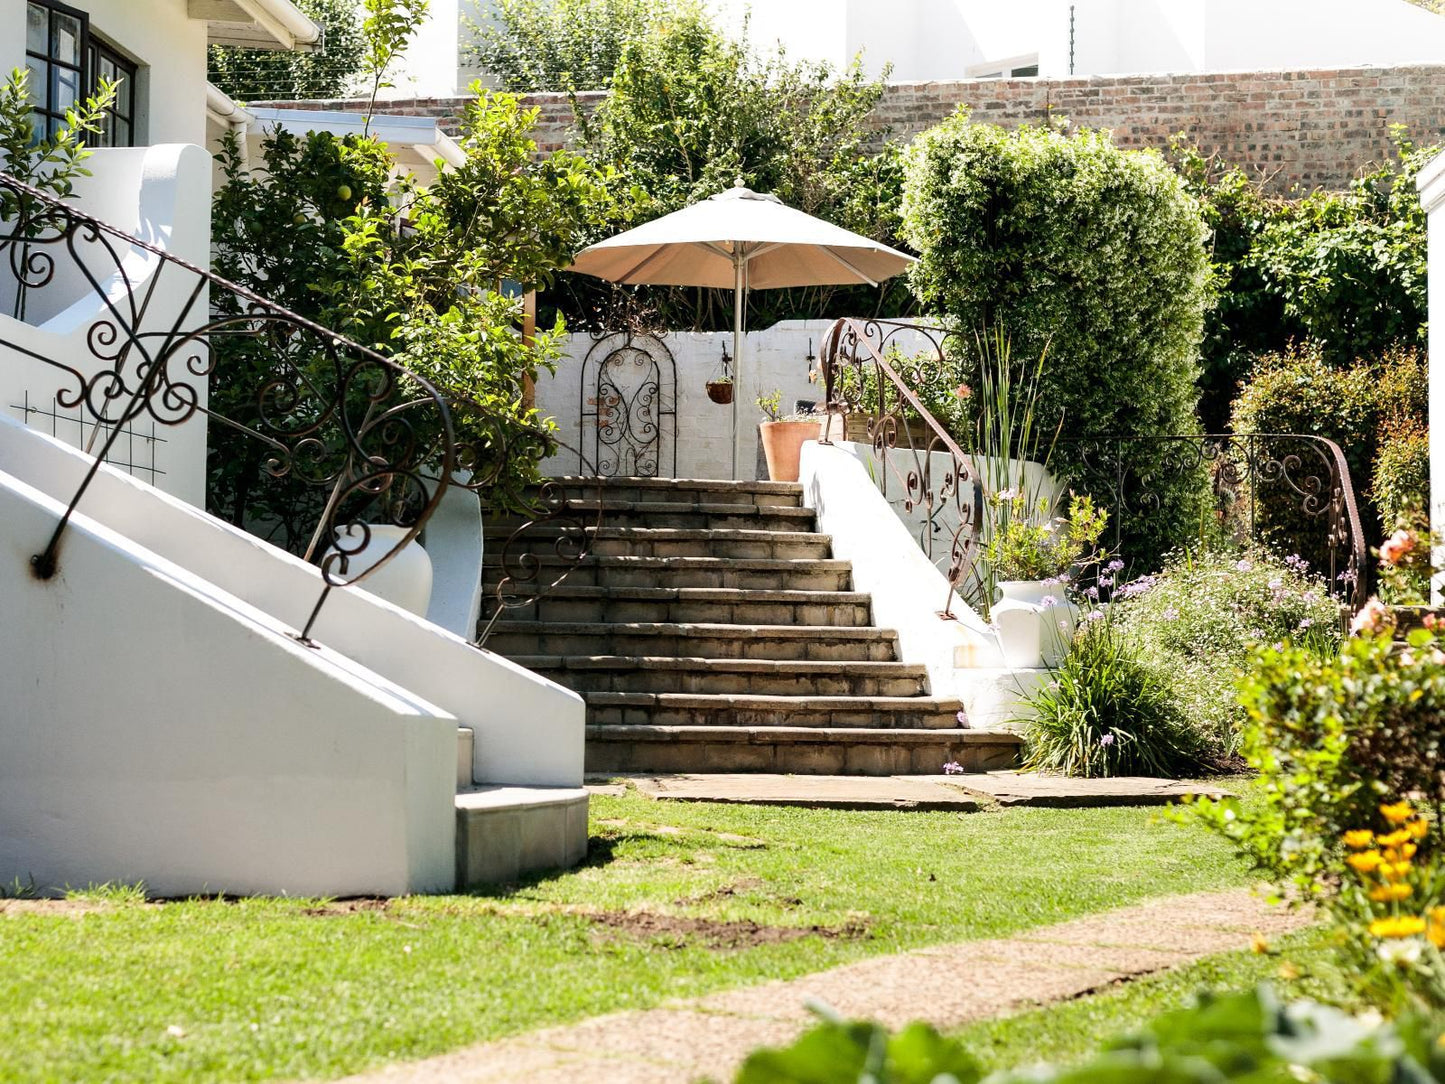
{"x":1290,"y":492}
{"x":312,"y":439}
{"x":920,"y":466}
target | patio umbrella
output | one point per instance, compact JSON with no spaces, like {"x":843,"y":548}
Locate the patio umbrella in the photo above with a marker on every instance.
{"x":746,"y":240}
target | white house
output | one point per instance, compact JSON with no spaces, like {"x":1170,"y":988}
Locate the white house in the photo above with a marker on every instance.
{"x":982,"y":39}
{"x":167,"y":719}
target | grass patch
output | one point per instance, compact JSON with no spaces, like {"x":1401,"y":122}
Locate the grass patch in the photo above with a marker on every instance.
{"x":1300,"y":965}
{"x":246,"y":990}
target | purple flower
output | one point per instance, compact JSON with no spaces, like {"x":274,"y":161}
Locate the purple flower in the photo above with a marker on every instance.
{"x":1107,"y":739}
{"x":1170,"y":614}
{"x":953,"y":767}
{"x":1296,"y":562}
{"x":1106,"y":581}
{"x":962,"y":718}
{"x":1275,"y":584}
{"x":1306,"y":623}
{"x":1092,"y":592}
{"x":1094,"y":615}
{"x":1244,"y":566}
{"x":1048,"y":600}
{"x":1115,"y":565}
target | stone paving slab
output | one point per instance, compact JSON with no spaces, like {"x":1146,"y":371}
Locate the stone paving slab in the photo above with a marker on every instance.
{"x":947,"y":985}
{"x":963,"y":793}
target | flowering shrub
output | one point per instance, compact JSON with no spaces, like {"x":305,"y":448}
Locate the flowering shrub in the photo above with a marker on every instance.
{"x":1029,"y":545}
{"x":1331,"y":738}
{"x":1106,"y":711}
{"x":1198,"y":619}
{"x":1404,"y":577}
{"x":1391,"y":909}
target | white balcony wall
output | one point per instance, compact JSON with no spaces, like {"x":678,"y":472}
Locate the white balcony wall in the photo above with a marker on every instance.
{"x":160,"y":194}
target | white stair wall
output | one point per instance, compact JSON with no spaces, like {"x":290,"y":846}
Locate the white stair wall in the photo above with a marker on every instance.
{"x":528,"y":731}
{"x":154,"y":728}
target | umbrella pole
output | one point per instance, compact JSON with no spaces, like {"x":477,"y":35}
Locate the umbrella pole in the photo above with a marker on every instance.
{"x":740,"y":286}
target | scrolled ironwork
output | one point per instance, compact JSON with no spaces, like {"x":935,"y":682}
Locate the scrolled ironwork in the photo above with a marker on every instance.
{"x":355,"y":438}
{"x":920,"y":466}
{"x":632,"y":405}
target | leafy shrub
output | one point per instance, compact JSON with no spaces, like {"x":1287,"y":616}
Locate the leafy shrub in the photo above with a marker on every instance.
{"x":1400,"y":481}
{"x":1030,"y":543}
{"x":1331,"y":738}
{"x":1106,"y":711}
{"x":1068,"y":245}
{"x":1198,"y":620}
{"x":1248,"y":1036}
{"x":251,"y":75}
{"x":691,"y":111}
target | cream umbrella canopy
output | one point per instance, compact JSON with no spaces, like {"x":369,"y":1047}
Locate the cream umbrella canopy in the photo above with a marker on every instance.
{"x":746,"y":240}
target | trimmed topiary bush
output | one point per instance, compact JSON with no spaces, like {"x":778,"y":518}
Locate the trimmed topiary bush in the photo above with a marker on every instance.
{"x":1066,"y":245}
{"x":1400,"y":484}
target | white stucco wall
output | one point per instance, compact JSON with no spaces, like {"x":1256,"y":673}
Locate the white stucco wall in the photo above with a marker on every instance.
{"x":157,"y":729}
{"x":529,"y":731}
{"x":161,"y":37}
{"x":160,"y":194}
{"x":1431,"y":183}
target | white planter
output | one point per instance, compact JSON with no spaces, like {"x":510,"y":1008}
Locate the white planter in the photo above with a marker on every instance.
{"x":405,"y":580}
{"x":1032,"y":633}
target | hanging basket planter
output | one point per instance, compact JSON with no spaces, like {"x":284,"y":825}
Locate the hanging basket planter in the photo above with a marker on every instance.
{"x":720,"y":391}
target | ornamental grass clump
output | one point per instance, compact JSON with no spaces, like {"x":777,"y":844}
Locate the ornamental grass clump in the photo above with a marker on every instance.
{"x":1106,"y":711}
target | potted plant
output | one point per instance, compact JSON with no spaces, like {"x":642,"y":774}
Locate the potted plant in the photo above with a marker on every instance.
{"x":1033,"y":555}
{"x":783,"y":437}
{"x":720,"y":391}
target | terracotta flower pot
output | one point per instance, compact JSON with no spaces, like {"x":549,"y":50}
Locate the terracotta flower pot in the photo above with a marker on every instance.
{"x":782,"y":444}
{"x":720,"y":391}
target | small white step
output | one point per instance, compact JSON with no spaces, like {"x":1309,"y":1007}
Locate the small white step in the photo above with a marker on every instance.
{"x":508,"y":833}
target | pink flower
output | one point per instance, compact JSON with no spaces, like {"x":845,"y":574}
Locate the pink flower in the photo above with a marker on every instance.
{"x":1372,"y":618}
{"x":1398,"y":546}
{"x":963,"y":391}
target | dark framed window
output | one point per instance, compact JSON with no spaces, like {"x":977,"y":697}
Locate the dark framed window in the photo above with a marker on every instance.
{"x":103,"y":62}
{"x":66,"y":61}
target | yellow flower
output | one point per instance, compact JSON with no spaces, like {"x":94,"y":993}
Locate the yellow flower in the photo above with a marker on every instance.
{"x":1404,"y":926}
{"x":1436,"y":930}
{"x":1398,"y":813}
{"x":1390,"y":893}
{"x":1258,"y":944}
{"x":1364,"y":862}
{"x":1394,"y":839}
{"x":1359,"y":839}
{"x":1419,"y":827}
{"x":1395,"y":871}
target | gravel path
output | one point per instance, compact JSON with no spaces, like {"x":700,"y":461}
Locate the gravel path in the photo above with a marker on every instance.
{"x":947,"y":985}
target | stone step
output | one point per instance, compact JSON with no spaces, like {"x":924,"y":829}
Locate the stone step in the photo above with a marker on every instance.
{"x":762,"y":494}
{"x":507,"y":833}
{"x":818,"y":643}
{"x":798,"y":750}
{"x":752,"y":574}
{"x":753,"y":710}
{"x":653,"y":674}
{"x":671,"y":542}
{"x":724,"y":606}
{"x":683,"y":515}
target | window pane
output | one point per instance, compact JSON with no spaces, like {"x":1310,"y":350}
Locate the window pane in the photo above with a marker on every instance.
{"x":64,"y":89}
{"x":121,"y":138}
{"x":65,"y":42}
{"x":37,"y":79}
{"x":37,"y":125}
{"x":37,"y":29}
{"x":1031,"y":70}
{"x":106,"y":68}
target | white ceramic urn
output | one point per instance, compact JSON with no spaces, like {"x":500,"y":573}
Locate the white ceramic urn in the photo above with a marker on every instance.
{"x":1035,"y":623}
{"x":405,"y":580}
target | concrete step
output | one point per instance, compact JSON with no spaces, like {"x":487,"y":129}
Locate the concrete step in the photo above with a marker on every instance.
{"x":753,"y":710}
{"x":508,"y":833}
{"x":726,"y":606}
{"x":672,"y":542}
{"x":684,"y":515}
{"x":819,"y":643}
{"x":466,"y":744}
{"x":799,"y":750}
{"x":762,"y":494}
{"x":752,"y":575}
{"x":653,"y":674}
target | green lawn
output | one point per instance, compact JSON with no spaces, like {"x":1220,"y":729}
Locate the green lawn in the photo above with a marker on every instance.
{"x":1300,"y":965}
{"x":211,"y":990}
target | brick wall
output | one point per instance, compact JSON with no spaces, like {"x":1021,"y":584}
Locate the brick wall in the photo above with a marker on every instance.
{"x":1300,"y":128}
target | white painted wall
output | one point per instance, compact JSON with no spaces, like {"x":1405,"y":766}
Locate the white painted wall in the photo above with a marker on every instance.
{"x":1431,"y":185}
{"x":529,"y":731}
{"x":158,"y":729}
{"x":161,"y":37}
{"x":160,"y":194}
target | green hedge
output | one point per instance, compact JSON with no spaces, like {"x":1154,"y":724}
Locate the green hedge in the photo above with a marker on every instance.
{"x":1088,"y":254}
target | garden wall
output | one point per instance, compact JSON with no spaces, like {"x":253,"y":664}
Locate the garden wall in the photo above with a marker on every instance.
{"x":1306,"y":128}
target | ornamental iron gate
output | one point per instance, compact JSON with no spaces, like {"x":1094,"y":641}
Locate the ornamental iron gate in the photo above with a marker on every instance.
{"x":629,"y":396}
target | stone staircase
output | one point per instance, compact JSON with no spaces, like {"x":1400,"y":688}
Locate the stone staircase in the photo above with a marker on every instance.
{"x":710,"y":631}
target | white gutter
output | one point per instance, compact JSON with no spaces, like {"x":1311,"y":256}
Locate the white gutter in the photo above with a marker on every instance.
{"x":304,"y":33}
{"x":224,"y":109}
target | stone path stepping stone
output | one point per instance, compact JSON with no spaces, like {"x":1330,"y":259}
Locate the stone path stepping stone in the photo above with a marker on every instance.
{"x":965,"y":793}
{"x":947,"y":985}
